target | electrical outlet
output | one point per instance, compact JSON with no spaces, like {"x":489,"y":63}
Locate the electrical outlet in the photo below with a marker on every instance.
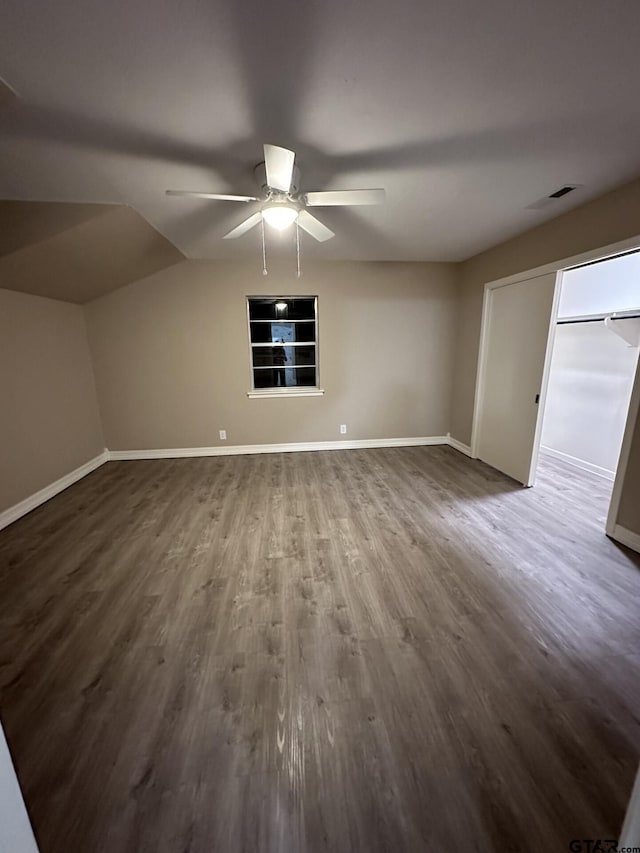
{"x":343,"y":429}
{"x":223,"y":435}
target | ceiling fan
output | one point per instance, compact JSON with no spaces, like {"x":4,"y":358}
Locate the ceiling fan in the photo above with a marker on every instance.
{"x":281,"y":203}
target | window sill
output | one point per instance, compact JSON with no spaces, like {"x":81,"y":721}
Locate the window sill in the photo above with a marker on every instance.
{"x":287,"y":392}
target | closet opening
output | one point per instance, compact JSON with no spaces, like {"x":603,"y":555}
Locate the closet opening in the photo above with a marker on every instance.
{"x":594,"y":359}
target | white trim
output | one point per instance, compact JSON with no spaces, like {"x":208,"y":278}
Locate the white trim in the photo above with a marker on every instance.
{"x":458,"y":445}
{"x":485,"y":324}
{"x":625,"y":451}
{"x":579,"y":463}
{"x":626,"y":537}
{"x":18,"y":510}
{"x":293,"y":447}
{"x":290,"y":392}
{"x":316,"y":391}
{"x":546,"y":373}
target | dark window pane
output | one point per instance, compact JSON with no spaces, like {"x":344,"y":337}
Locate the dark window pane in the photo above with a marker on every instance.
{"x":304,"y":332}
{"x":282,"y":332}
{"x":283,"y":355}
{"x":284,"y":377}
{"x":301,"y":355}
{"x":282,"y":309}
{"x":263,"y":379}
{"x":261,"y":309}
{"x":261,"y":333}
{"x":265,"y":356}
{"x":301,"y":309}
{"x":304,"y":376}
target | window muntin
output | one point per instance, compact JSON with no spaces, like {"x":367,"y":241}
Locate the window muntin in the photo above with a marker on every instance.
{"x":283,"y":342}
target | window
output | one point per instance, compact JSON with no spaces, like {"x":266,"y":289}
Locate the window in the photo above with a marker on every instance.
{"x":284,"y":344}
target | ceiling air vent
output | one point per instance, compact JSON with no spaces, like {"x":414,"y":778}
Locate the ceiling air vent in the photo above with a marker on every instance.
{"x":562,"y":191}
{"x":554,"y":196}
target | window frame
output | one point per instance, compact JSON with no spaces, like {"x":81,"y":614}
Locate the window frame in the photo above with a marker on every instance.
{"x":296,"y":390}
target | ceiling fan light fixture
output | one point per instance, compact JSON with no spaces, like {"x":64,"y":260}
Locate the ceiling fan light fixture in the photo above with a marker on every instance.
{"x":279,"y":216}
{"x":281,"y":204}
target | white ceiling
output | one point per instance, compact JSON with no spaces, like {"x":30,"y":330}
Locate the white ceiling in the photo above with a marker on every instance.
{"x":465,"y":112}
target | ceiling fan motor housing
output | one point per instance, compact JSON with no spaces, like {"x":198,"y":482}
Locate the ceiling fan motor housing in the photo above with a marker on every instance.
{"x":260,"y":174}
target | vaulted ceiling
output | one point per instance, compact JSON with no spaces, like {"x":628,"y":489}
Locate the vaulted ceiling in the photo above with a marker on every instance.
{"x":465,"y":112}
{"x":77,"y":252}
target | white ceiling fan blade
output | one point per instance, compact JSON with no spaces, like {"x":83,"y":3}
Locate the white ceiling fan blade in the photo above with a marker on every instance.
{"x":245,"y":226}
{"x":314,"y":227}
{"x":343,"y":197}
{"x":217,"y":196}
{"x":278,"y":164}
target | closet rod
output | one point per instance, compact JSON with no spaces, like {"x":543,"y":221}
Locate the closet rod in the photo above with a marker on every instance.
{"x":598,"y":319}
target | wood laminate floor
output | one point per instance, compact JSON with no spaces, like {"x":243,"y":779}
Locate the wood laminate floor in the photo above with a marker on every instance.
{"x":363,"y":650}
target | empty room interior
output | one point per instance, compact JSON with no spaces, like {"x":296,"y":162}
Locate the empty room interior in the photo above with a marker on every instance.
{"x":319,"y":427}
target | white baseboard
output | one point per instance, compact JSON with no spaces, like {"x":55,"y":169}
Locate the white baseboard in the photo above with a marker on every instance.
{"x":458,"y":445}
{"x":15,"y":512}
{"x":293,"y":447}
{"x":626,"y":537}
{"x":18,"y":510}
{"x":579,"y":463}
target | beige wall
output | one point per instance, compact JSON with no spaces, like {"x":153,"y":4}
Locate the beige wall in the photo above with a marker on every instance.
{"x":49,"y":420}
{"x":172,"y":362}
{"x":613,"y":217}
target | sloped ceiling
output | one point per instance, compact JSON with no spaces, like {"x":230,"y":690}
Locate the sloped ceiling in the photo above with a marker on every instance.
{"x":23,"y":223}
{"x":76,"y":252}
{"x":465,"y":111}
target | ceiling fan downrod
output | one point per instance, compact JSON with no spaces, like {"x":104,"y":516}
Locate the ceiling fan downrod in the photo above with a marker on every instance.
{"x":264,"y":249}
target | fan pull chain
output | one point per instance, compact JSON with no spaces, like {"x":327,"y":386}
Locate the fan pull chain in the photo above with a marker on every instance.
{"x":298,"y":246}
{"x":264,"y":249}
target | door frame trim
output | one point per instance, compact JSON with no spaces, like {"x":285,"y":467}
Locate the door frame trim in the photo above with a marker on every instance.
{"x":612,"y":525}
{"x":480,"y":371}
{"x":600,"y":254}
{"x":546,"y":373}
